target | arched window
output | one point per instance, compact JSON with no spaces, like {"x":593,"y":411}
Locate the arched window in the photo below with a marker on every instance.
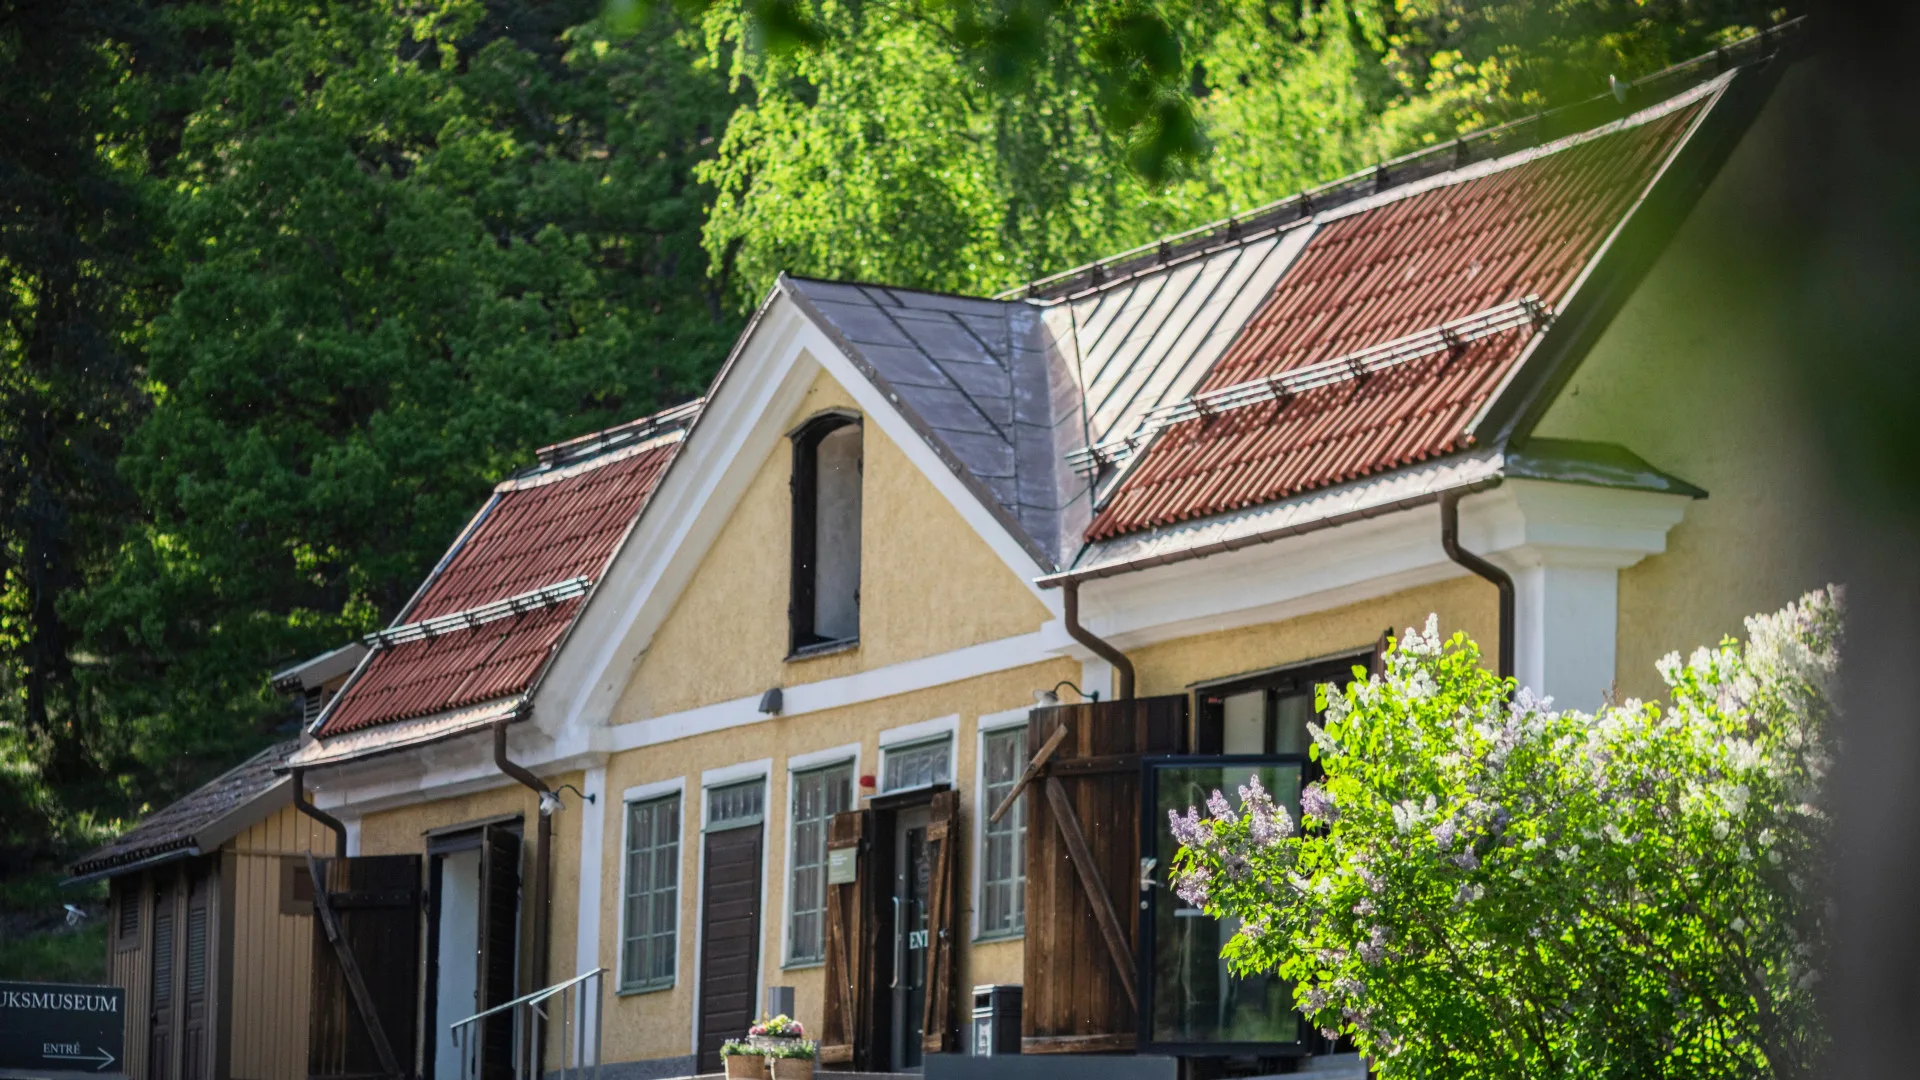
{"x":824,"y":610}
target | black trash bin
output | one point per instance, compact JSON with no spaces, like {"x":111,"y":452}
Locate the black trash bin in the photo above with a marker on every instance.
{"x":996,"y":1020}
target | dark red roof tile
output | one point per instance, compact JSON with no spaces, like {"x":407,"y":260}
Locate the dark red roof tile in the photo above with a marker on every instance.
{"x":534,"y":532}
{"x":451,"y":670}
{"x":544,"y":531}
{"x":1376,"y":275}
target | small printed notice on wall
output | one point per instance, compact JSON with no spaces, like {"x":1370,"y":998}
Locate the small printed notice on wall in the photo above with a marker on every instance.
{"x":842,"y":869}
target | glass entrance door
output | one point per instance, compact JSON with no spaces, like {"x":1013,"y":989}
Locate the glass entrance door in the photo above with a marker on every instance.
{"x":912,"y":884}
{"x":1194,"y":1002}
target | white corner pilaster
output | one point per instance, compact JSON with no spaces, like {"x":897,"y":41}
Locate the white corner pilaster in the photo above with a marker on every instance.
{"x":1565,"y":545}
{"x":592,"y":890}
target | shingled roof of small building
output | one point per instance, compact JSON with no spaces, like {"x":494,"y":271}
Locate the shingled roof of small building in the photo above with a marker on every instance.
{"x":198,"y":822}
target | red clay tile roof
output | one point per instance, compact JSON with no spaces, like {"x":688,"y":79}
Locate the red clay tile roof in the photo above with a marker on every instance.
{"x":534,"y":532}
{"x":545,"y":531}
{"x":1375,"y":275}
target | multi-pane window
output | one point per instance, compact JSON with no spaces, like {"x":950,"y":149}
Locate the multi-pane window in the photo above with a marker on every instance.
{"x":1003,"y":855}
{"x":817,"y":796}
{"x":919,"y":765}
{"x":652,"y":893}
{"x":736,"y":805}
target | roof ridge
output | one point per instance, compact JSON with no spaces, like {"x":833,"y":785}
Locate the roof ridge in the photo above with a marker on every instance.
{"x":582,"y":448}
{"x":1486,"y":144}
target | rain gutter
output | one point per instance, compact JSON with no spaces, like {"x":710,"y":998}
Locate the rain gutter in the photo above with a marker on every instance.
{"x":543,"y":854}
{"x":301,"y":804}
{"x":1450,"y":540}
{"x":1122,"y":667}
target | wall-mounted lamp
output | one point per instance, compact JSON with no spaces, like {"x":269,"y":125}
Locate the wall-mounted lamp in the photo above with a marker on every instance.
{"x":550,"y":803}
{"x":771,"y":702}
{"x":1045,"y":698}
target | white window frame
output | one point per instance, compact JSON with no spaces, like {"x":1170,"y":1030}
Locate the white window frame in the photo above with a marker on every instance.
{"x":849,"y":755}
{"x":913,"y":736}
{"x":676,"y":787}
{"x":990,"y":724}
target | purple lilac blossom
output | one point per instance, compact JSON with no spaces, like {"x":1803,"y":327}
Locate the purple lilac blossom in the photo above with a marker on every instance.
{"x":1317,"y":804}
{"x":1217,"y":806}
{"x":1192,"y":886}
{"x":1186,"y":830}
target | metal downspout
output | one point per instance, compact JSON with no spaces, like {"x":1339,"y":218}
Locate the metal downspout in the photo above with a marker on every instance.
{"x":301,"y":804}
{"x":1450,"y":540}
{"x":1122,"y":667}
{"x":543,"y":854}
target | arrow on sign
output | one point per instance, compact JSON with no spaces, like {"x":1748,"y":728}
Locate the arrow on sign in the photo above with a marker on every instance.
{"x":105,"y":1059}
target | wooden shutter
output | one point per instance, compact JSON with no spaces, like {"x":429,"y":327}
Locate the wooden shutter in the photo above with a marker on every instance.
{"x":499,"y":938}
{"x":366,"y":967}
{"x":1083,"y":869}
{"x":846,"y":1031}
{"x":163,"y":971}
{"x":196,"y":1049}
{"x":940,"y":1033}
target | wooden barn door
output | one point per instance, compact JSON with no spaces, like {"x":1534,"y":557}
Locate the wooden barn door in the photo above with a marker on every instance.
{"x":940,"y":1032}
{"x":1083,"y":868}
{"x":366,"y":967}
{"x":846,"y":1031}
{"x":499,"y":945}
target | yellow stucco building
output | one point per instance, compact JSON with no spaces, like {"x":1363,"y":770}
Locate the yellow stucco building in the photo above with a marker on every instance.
{"x":722,"y":702}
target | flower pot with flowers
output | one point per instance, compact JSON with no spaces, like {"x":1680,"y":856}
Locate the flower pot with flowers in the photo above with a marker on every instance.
{"x":743,"y":1061}
{"x":793,"y":1061}
{"x":775,"y":1033}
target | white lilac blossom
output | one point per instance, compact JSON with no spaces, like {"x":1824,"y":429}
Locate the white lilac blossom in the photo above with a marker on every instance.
{"x":1462,"y":822}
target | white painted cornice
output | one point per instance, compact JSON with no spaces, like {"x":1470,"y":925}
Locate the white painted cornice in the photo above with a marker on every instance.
{"x":1519,"y":524}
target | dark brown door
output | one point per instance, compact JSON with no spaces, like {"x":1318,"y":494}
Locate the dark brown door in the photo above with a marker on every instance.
{"x":366,"y":968}
{"x":846,"y":1033}
{"x":165,"y":968}
{"x":909,"y":904}
{"x":499,"y":945}
{"x":729,"y":918}
{"x":938,"y":1031}
{"x":196,"y":986}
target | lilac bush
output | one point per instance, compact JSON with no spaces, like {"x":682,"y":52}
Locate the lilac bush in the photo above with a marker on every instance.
{"x":1482,"y":886}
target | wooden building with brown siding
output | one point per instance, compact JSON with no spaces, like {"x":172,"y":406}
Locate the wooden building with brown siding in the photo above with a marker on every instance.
{"x":211,"y":932}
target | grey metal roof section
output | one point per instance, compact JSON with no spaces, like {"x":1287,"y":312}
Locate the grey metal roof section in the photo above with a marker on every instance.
{"x":980,"y":380}
{"x":1148,"y":340}
{"x":1599,"y":464}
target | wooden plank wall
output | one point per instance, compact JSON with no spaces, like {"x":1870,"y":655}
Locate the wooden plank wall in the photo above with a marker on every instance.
{"x":272,"y":952}
{"x":1074,"y":1001}
{"x":130,"y":969}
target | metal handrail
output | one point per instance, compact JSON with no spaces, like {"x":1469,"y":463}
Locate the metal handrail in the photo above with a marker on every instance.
{"x":579,"y":1034}
{"x":537,"y":995}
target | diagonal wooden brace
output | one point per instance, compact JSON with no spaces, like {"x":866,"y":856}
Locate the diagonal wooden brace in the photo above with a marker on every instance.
{"x":1103,"y":913}
{"x":1034,"y":767}
{"x":357,"y":983}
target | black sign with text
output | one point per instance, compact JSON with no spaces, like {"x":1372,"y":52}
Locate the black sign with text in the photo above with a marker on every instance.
{"x":55,"y":1029}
